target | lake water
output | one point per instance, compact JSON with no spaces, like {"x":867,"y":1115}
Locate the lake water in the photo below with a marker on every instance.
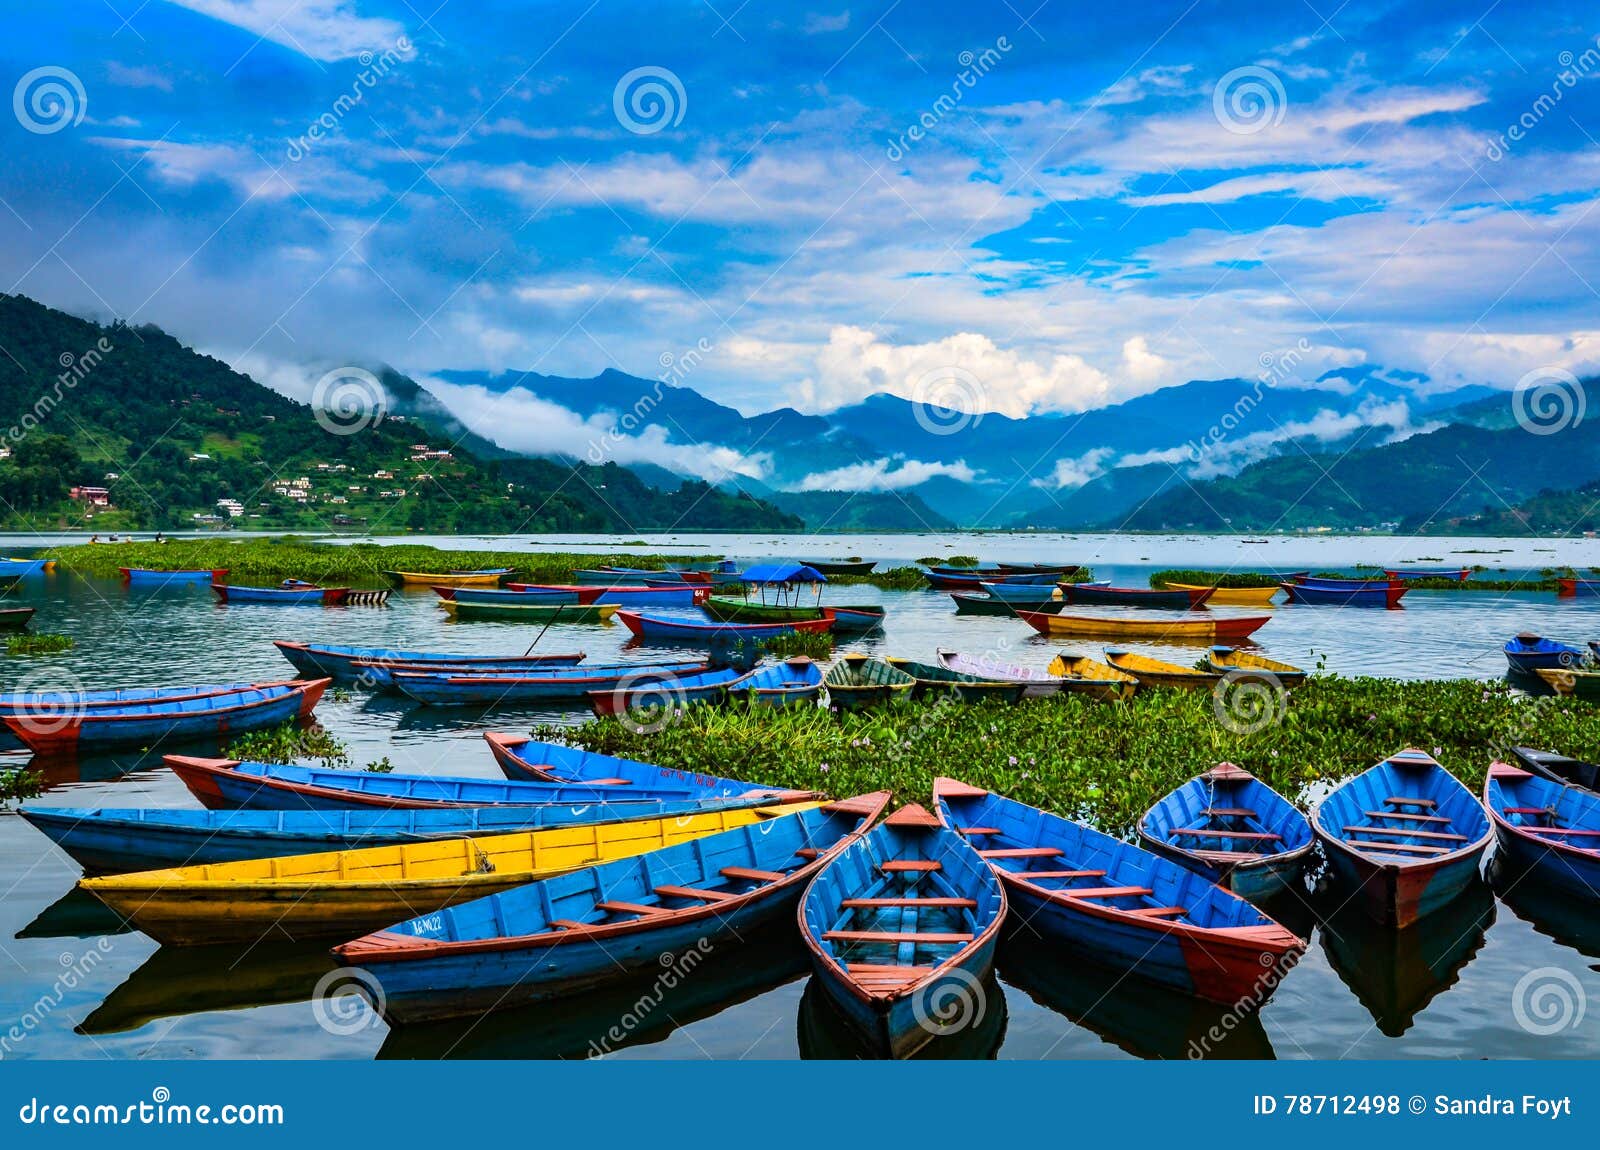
{"x":1455,"y":987}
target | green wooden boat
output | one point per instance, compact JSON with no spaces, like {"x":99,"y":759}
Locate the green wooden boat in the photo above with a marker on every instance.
{"x":943,"y":682}
{"x":977,"y":603}
{"x":537,"y":614}
{"x":846,"y":619}
{"x":856,"y":681}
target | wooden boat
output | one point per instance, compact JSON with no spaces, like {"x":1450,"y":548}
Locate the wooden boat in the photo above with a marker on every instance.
{"x":556,"y":938}
{"x":1093,"y":594}
{"x":1558,"y":768}
{"x":856,"y":681}
{"x":291,"y":592}
{"x":1201,"y":628}
{"x":23,"y":567}
{"x":841,"y":566}
{"x":1232,"y":828}
{"x":857,"y":619}
{"x":1385,"y":594}
{"x":1040,"y":684}
{"x":15,"y":618}
{"x":1577,"y":588}
{"x":1152,"y":672}
{"x":1459,"y":574}
{"x":1404,"y":835}
{"x":1531,"y":653}
{"x":143,"y":576}
{"x":1023,"y":593}
{"x":373,"y":665}
{"x":957,"y":686}
{"x":1546,"y":830}
{"x":671,"y":692}
{"x":533,"y":614}
{"x":973,"y":582}
{"x":1579,"y":684}
{"x":50,"y":708}
{"x":1085,"y":676}
{"x":1233,"y":596}
{"x":61,"y":729}
{"x":693,"y":578}
{"x":687,"y":595}
{"x":728,"y":610}
{"x":790,"y":682}
{"x":547,"y":596}
{"x":901,"y":924}
{"x":109,"y":840}
{"x":227,"y":784}
{"x":986,"y":570}
{"x":1232,"y":661}
{"x":526,"y":759}
{"x":493,"y":688}
{"x":482,"y":577}
{"x":1120,"y":905}
{"x":343,"y":893}
{"x":659,"y":628}
{"x":980,"y":603}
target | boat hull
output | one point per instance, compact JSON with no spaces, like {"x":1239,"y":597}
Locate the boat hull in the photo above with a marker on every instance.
{"x":375,"y":665}
{"x":281,"y":596}
{"x":1233,"y":596}
{"x":1399,"y":896}
{"x":1087,"y":594}
{"x":485,"y":578}
{"x":534,"y":614}
{"x":143,"y":577}
{"x":978,"y":603}
{"x":1577,"y":588}
{"x":895,"y":1028}
{"x":489,"y":689}
{"x":1205,"y":629}
{"x":1387,"y":597}
{"x":654,"y":628}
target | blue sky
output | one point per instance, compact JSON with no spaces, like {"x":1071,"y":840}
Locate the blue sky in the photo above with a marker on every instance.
{"x":1123,"y":196}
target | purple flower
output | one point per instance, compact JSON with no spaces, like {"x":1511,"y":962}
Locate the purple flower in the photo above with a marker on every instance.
{"x":1012,"y":761}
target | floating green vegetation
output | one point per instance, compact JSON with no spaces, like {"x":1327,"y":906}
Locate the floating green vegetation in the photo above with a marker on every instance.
{"x":290,"y":744}
{"x":43,"y":643}
{"x":813,"y":644}
{"x":19,"y":783}
{"x":1161,"y":579}
{"x":1106,"y":763}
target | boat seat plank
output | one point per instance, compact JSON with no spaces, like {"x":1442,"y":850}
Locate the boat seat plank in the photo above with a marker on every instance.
{"x":891,"y":936}
{"x":1229,"y":813}
{"x":1407,"y":833}
{"x":867,"y":903}
{"x":978,"y":830}
{"x":1021,"y":853}
{"x":1562,"y":831}
{"x":567,"y":924}
{"x":1406,"y":817}
{"x":1529,"y":811}
{"x":910,"y":866}
{"x":693,"y":892}
{"x":1218,"y":833}
{"x":1108,"y":891}
{"x":1400,"y":801}
{"x":1057,"y":873}
{"x":1396,"y":848}
{"x":753,"y":875}
{"x":1161,"y":911}
{"x":870,"y":968}
{"x":633,"y":908}
{"x":808,"y":852}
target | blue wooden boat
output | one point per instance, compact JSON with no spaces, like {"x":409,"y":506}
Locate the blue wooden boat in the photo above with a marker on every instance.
{"x":686,"y":595}
{"x":57,"y":729}
{"x":1025,"y":593}
{"x":26,"y":566}
{"x":782,"y":684}
{"x":1545,"y":830}
{"x":1577,"y":588}
{"x":50,"y":706}
{"x":633,"y":695}
{"x":227,"y":784}
{"x":1120,"y":905}
{"x":528,"y":760}
{"x":1231,"y":827}
{"x":1459,"y":574}
{"x":1560,"y":769}
{"x":975,"y":582}
{"x":902,"y":926}
{"x":1529,"y":653}
{"x":558,"y":937}
{"x":1404,"y":836}
{"x":293,"y":592}
{"x":107,"y":840}
{"x":661,"y":629}
{"x":1326,"y":593}
{"x":374,"y":665}
{"x":144,"y":577}
{"x":445,"y":688}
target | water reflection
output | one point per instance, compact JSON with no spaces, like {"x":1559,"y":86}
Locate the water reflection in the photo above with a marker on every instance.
{"x":636,"y":1013}
{"x":824,"y":1033}
{"x":76,"y":914}
{"x":1397,"y":973}
{"x":1146,"y":1020}
{"x":1547,"y":910}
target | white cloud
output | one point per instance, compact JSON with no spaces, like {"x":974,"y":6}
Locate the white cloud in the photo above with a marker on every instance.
{"x":884,"y":475}
{"x":325,"y":30}
{"x":1069,"y":473}
{"x":818,"y":23}
{"x":137,"y":77}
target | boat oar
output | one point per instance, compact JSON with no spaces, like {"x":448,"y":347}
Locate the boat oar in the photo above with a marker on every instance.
{"x":542,"y":630}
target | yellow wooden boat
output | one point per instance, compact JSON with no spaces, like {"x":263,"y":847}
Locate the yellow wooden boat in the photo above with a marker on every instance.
{"x":344,"y":894}
{"x":1232,"y":596}
{"x":484,"y":578}
{"x":1086,"y":676}
{"x":1159,"y":673}
{"x":1199,"y":627}
{"x":1225,"y":660}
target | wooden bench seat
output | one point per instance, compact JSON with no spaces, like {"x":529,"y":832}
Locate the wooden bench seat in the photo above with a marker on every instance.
{"x":1407,"y":833}
{"x":910,"y":866}
{"x":808,"y":852}
{"x":1529,"y":811}
{"x":1108,"y":891}
{"x":694,"y":892}
{"x":1405,"y":817}
{"x":1161,"y":911}
{"x":1219,"y":833}
{"x":978,"y":830}
{"x":1021,"y":853}
{"x":1399,"y":801}
{"x":745,"y":872}
{"x":1229,"y":813}
{"x":633,"y":908}
{"x":891,"y":937}
{"x":1564,"y":831}
{"x":1397,"y":848}
{"x":952,"y":903}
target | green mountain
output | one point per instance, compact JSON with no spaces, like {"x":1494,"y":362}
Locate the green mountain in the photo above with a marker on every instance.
{"x":1547,"y":513}
{"x":167,"y":438}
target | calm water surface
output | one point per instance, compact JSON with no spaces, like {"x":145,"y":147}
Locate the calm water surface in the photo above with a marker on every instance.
{"x":1448,"y":989}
